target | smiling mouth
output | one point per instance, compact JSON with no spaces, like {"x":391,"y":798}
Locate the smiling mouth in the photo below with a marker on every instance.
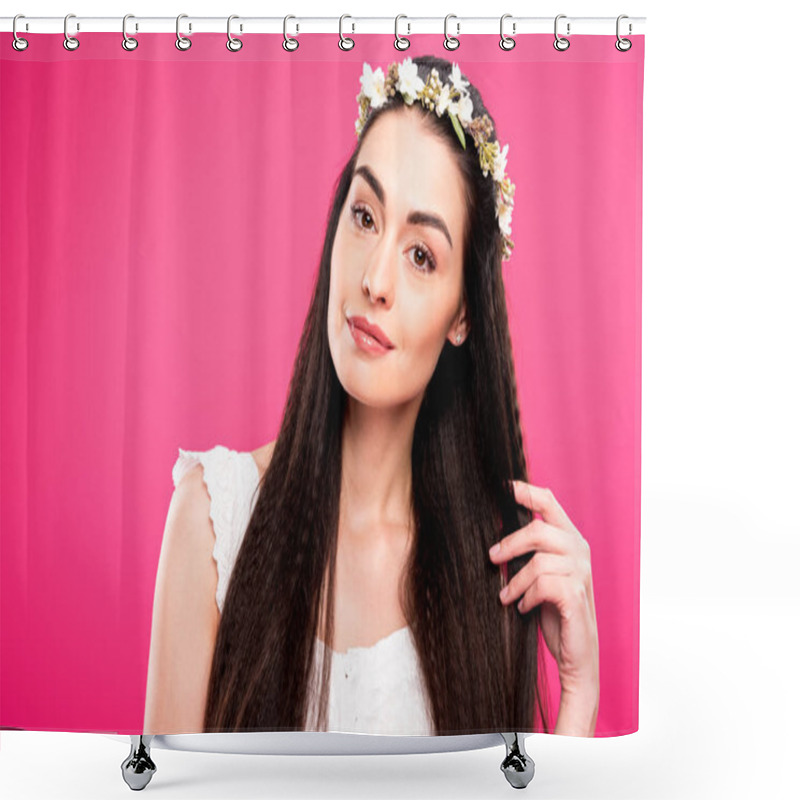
{"x":366,"y":341}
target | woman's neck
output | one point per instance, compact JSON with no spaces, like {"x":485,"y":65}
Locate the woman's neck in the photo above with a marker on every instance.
{"x":376,"y":467}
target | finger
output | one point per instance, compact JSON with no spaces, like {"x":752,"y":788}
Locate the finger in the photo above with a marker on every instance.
{"x":562,"y":590}
{"x":539,"y":564}
{"x":541,"y":499}
{"x":536,"y":535}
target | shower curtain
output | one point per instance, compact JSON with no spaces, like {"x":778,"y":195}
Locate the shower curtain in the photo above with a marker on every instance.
{"x":196,"y":272}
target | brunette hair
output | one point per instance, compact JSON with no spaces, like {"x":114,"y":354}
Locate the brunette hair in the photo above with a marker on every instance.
{"x":482,"y":662}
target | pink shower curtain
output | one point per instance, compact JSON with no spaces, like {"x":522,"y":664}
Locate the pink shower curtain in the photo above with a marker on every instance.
{"x":162,"y":218}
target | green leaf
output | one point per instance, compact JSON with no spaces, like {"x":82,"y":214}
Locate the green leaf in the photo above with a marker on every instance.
{"x":458,"y":129}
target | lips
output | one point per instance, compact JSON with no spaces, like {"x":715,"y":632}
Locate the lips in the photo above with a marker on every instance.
{"x":362,"y":324}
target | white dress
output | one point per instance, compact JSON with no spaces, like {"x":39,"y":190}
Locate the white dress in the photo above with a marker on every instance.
{"x":377,"y":689}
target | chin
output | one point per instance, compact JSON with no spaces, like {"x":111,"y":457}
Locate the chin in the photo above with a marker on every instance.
{"x":364,"y":389}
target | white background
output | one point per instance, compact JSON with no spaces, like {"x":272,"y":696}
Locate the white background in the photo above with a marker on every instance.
{"x":719,"y":699}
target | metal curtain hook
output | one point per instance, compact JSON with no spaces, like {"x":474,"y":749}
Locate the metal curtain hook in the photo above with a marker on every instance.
{"x":560,"y":42}
{"x":17,"y":42}
{"x":128,"y":42}
{"x":400,"y":42}
{"x":233,"y":44}
{"x":182,"y":42}
{"x":289,"y":42}
{"x":506,"y":42}
{"x":345,"y":42}
{"x":70,"y":42}
{"x":623,"y":45}
{"x":451,"y":42}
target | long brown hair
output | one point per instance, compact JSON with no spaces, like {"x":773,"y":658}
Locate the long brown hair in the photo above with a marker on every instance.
{"x":481,"y":661}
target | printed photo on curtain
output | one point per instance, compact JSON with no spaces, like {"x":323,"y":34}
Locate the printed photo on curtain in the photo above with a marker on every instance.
{"x":321,"y":377}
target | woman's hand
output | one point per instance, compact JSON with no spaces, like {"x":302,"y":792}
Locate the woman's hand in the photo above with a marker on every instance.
{"x":559,"y":576}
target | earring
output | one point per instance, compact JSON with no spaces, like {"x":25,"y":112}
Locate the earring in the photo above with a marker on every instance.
{"x":458,"y":339}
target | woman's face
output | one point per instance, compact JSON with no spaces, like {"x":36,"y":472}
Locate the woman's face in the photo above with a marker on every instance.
{"x":397,"y":262}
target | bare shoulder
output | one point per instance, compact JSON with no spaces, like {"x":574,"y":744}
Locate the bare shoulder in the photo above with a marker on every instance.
{"x":185,"y":614}
{"x":262,"y":456}
{"x":189,"y":525}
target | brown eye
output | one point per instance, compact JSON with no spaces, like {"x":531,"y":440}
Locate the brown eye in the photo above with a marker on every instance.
{"x":427,"y":256}
{"x":365,"y":215}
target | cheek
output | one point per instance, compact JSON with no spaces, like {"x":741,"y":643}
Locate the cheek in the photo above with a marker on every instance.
{"x":425,"y":328}
{"x":342,"y":290}
{"x":344,"y":262}
{"x":339,"y":263}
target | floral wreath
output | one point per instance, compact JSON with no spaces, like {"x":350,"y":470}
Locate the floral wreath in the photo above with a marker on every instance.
{"x":454,"y":99}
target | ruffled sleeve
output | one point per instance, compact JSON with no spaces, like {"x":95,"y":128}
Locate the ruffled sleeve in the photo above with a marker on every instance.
{"x":229,"y":512}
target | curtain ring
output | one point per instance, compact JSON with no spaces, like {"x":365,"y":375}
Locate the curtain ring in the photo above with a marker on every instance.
{"x":70,"y":42}
{"x":451,"y":42}
{"x":506,"y":42}
{"x":623,"y":45}
{"x":345,"y":42}
{"x":182,"y":42}
{"x":128,"y":42}
{"x":233,"y":44}
{"x":18,"y":43}
{"x":560,"y":42}
{"x":400,"y":42}
{"x":295,"y":43}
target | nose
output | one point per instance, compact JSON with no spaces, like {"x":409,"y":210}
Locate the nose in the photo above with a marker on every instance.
{"x":379,"y":275}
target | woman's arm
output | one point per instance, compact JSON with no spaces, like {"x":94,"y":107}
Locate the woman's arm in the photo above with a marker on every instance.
{"x":577,"y":715}
{"x":557,"y":577}
{"x":185,"y":614}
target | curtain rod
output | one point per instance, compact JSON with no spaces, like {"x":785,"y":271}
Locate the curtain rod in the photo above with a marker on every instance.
{"x":406,"y":25}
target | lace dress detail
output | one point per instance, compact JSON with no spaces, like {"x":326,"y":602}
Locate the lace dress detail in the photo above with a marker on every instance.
{"x":232,"y":488}
{"x":377,"y":689}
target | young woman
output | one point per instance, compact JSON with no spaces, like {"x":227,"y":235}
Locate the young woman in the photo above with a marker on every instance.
{"x":398,"y":464}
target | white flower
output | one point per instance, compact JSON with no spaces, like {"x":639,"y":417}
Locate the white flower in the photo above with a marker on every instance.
{"x":373,"y":84}
{"x":500,"y":163}
{"x":504,"y":218}
{"x":458,"y":80}
{"x":409,"y":84}
{"x":464,"y":109}
{"x":444,"y":103}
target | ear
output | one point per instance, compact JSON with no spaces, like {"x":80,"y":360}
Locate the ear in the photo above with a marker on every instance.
{"x":460,"y":330}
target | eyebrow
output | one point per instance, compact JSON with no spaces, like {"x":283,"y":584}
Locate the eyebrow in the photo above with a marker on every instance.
{"x":414,"y":217}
